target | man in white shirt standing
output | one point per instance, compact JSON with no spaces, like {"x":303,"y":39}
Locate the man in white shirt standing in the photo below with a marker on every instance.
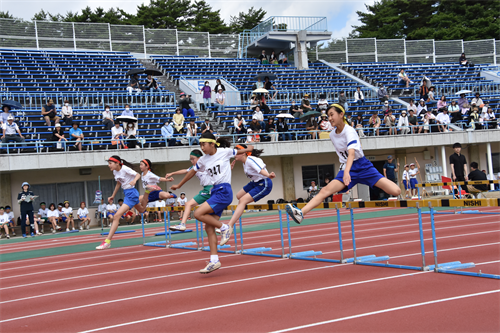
{"x":9,"y":131}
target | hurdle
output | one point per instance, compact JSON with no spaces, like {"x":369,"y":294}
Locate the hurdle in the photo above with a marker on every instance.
{"x":118,"y":232}
{"x":166,"y":223}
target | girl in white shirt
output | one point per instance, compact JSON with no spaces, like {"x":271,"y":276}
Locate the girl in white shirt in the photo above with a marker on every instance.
{"x":412,"y":174}
{"x":53,"y":216}
{"x":125,"y":178}
{"x":150,"y":181}
{"x":68,"y":216}
{"x":191,"y":132}
{"x":117,"y":136}
{"x":354,"y":166}
{"x":83,"y":215}
{"x":181,"y":202}
{"x":406,"y":180}
{"x":216,"y":163}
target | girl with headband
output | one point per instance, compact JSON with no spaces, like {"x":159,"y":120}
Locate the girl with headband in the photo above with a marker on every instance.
{"x":150,"y":181}
{"x":201,"y":197}
{"x":216,"y":164}
{"x":125,"y":178}
{"x":354,"y":167}
{"x":260,"y":184}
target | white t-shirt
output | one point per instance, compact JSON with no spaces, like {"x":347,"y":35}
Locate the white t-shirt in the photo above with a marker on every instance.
{"x":181,"y":202}
{"x":102,"y":208}
{"x":347,"y":139}
{"x":443,"y":118}
{"x":313,"y":188}
{"x":43,"y":212}
{"x":406,"y":175}
{"x":67,"y":211}
{"x":190,"y":133}
{"x":111,"y":208}
{"x":83,"y":212}
{"x":125,"y":176}
{"x":10,"y":129}
{"x":149,"y":179}
{"x":115,"y":131}
{"x":152,"y":204}
{"x":170,"y":201}
{"x":4,"y":218}
{"x":413,"y":173}
{"x":160,"y":203}
{"x":202,"y":176}
{"x":253,"y":167}
{"x":258,"y":115}
{"x":53,"y":213}
{"x":11,"y":216}
{"x":217,"y":166}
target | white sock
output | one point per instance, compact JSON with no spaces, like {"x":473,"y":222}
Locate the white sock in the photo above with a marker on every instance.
{"x":214,"y":258}
{"x":224,"y":227}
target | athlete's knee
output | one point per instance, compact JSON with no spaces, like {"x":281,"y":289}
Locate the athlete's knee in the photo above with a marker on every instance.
{"x":197,"y":215}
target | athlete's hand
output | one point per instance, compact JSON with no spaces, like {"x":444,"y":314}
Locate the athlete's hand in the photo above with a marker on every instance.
{"x":132,"y":183}
{"x":110,"y":198}
{"x":232,"y":164}
{"x":168,"y":175}
{"x":170,"y":179}
{"x":347,"y":178}
{"x":175,"y":187}
{"x":272,"y":175}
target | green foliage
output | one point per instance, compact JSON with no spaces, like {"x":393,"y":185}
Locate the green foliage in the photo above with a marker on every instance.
{"x":164,"y":14}
{"x":6,"y":15}
{"x":246,"y":21}
{"x":430,"y":19}
{"x":206,"y":20}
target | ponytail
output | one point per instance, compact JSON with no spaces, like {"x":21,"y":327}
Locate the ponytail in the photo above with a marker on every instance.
{"x":219,"y":142}
{"x":118,"y":160}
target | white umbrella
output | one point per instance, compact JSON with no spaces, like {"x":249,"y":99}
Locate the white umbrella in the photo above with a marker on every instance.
{"x":465,"y":91}
{"x":260,"y":91}
{"x":428,"y":82}
{"x":285,"y":115}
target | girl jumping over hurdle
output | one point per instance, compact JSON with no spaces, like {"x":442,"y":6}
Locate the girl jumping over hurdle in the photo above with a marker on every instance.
{"x":354,"y":167}
{"x":260,"y":184}
{"x":150,"y":181}
{"x":125,"y":178}
{"x":216,"y":163}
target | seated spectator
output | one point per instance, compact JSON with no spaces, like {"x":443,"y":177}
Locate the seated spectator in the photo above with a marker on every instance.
{"x":67,"y":113}
{"x":264,"y":107}
{"x":76,"y":134}
{"x":271,"y":131}
{"x":264,"y":59}
{"x":357,"y":123}
{"x":422,"y":108}
{"x":282,"y":129}
{"x":218,"y":86}
{"x":295,"y":110}
{"x":259,"y":116}
{"x":428,"y":119}
{"x":127,"y":112}
{"x":206,"y":126}
{"x":272,"y":59}
{"x":282,"y":58}
{"x":442,"y":102}
{"x":413,"y":120}
{"x":477,"y":100}
{"x":386,"y":108}
{"x":167,"y":133}
{"x":476,"y":175}
{"x":382,"y":94}
{"x":9,"y":130}
{"x":117,"y":136}
{"x":474,"y":119}
{"x":10,"y":214}
{"x":254,"y":100}
{"x":220,"y":100}
{"x":411,"y":106}
{"x":83,"y":216}
{"x":192,"y":132}
{"x":58,"y":136}
{"x":324,"y":124}
{"x":312,"y":125}
{"x":403,"y":79}
{"x":462,"y":101}
{"x":431,"y":98}
{"x":322,"y":103}
{"x":424,"y":91}
{"x":5,"y":114}
{"x":343,"y":101}
{"x":403,"y":123}
{"x":53,"y":217}
{"x":239,"y":125}
{"x":268,"y":85}
{"x":151,"y":84}
{"x":67,"y":216}
{"x":490,"y":119}
{"x":178,"y":120}
{"x":49,"y":113}
{"x":313,"y":189}
{"x":359,"y":97}
{"x":207,"y":95}
{"x":252,"y":136}
{"x":110,"y":209}
{"x":454,"y":112}
{"x":107,"y":118}
{"x":462,"y":61}
{"x":255,"y":125}
{"x":131,"y":135}
{"x":374,"y":122}
{"x":134,"y":84}
{"x":349,"y":119}
{"x":184,"y":105}
{"x":4,"y":222}
{"x":390,"y":122}
{"x":305,"y":105}
{"x":443,"y":119}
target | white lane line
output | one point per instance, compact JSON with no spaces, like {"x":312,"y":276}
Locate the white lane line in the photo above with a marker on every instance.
{"x":409,"y":306}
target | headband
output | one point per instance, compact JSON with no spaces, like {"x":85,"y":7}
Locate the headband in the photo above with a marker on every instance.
{"x":209,"y":141}
{"x":195,"y":154}
{"x":147,"y":164}
{"x":112,"y":159}
{"x":241,"y":147}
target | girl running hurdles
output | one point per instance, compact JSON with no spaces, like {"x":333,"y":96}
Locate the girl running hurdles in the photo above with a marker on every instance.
{"x":126,"y":178}
{"x":354,"y":167}
{"x":150,"y":181}
{"x":259,"y":186}
{"x":216,"y":163}
{"x":200,"y":198}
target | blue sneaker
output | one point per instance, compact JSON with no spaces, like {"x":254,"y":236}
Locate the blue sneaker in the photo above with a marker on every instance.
{"x":294,"y":213}
{"x":32,"y":234}
{"x":24,"y":235}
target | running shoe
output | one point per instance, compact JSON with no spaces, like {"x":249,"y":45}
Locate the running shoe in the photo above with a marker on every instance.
{"x":81,"y":228}
{"x":226,"y":235}
{"x":67,"y":229}
{"x":53,"y":231}
{"x":179,"y":227}
{"x":152,"y":188}
{"x":88,"y":227}
{"x":8,"y":237}
{"x":103,"y":246}
{"x":294,"y":213}
{"x":212,"y":266}
{"x":24,"y":235}
{"x":58,"y":227}
{"x":13,"y":234}
{"x":39,"y":234}
{"x":217,"y":231}
{"x":72,"y":229}
{"x":32,"y":234}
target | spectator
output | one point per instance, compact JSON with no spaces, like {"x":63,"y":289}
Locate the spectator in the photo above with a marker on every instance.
{"x":273,"y":59}
{"x":458,"y":164}
{"x":4,"y":222}
{"x":357,"y":123}
{"x":10,"y":214}
{"x":239,"y":125}
{"x":259,"y":116}
{"x":58,"y":136}
{"x":305,"y":105}
{"x":474,"y":119}
{"x":178,"y":120}
{"x":181,"y":202}
{"x":413,"y":120}
{"x":67,"y":216}
{"x":412,"y":174}
{"x":151,"y":84}
{"x":403,"y":123}
{"x":282,"y":58}
{"x":9,"y":130}
{"x":111,"y":209}
{"x":478,"y":175}
{"x":411,"y":106}
{"x":477,"y":100}
{"x":25,"y":199}
{"x":53,"y":217}
{"x":424,"y":91}
{"x":131,"y":135}
{"x":107,"y":118}
{"x":127,"y":112}
{"x":382,"y":94}
{"x":134,"y":85}
{"x":431,"y":119}
{"x":252,"y":136}
{"x":220,"y":100}
{"x":490,"y":118}
{"x":349,"y":119}
{"x":268,"y":85}
{"x":431,"y":95}
{"x":5,"y":114}
{"x":270,"y":129}
{"x":255,"y":125}
{"x":390,"y":169}
{"x":184,"y":105}
{"x":218,"y":86}
{"x":343,"y":100}
{"x":117,"y":136}
{"x":390,"y":122}
{"x":67,"y":113}
{"x":359,"y":97}
{"x":322,"y":103}
{"x":374,"y":122}
{"x":76,"y":134}
{"x":83,"y":216}
{"x":454,"y":112}
{"x":264,"y":59}
{"x":42,"y":215}
{"x":422,"y":108}
{"x":49,"y":113}
{"x":403,"y":79}
{"x":386,"y":108}
{"x":192,"y":132}
{"x":282,"y":128}
{"x":442,"y":102}
{"x":312,"y":190}
{"x":254,"y":100}
{"x":462,"y":61}
{"x":295,"y":110}
{"x":312,"y":126}
{"x":167,"y":133}
{"x":425,"y":124}
{"x":206,"y":126}
{"x":443,"y":119}
{"x":207,"y":95}
{"x":462,"y":101}
{"x":324,"y":124}
{"x":264,"y":107}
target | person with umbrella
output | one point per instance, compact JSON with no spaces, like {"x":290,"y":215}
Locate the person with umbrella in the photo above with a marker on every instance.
{"x":259,"y":84}
{"x":9,"y":130}
{"x":5,"y":114}
{"x":151,"y":84}
{"x":312,"y":125}
{"x":134,"y":84}
{"x":462,"y":101}
{"x":282,"y":128}
{"x":268,"y":85}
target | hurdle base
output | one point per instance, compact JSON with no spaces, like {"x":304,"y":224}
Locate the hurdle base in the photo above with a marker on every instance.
{"x":449,"y":271}
{"x":156,"y":244}
{"x":453,"y":266}
{"x":184,"y":246}
{"x":349,"y":260}
{"x":173,"y":232}
{"x":68,"y":232}
{"x":219,"y":249}
{"x":306,"y":254}
{"x":259,"y":252}
{"x":116,"y":232}
{"x":387,"y":265}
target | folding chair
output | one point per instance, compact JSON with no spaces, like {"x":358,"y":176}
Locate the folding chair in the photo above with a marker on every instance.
{"x":454,"y":190}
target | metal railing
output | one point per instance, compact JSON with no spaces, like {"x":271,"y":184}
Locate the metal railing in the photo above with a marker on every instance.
{"x":450,"y":89}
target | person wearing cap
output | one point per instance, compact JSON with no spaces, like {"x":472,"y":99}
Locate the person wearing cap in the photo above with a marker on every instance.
{"x":206,"y":127}
{"x":220,"y":100}
{"x":49,"y":113}
{"x":167,"y":133}
{"x":25,"y":199}
{"x":5,"y":114}
{"x":443,"y":119}
{"x":421,"y":108}
{"x":403,"y":123}
{"x":385,"y":108}
{"x":67,"y":113}
{"x":382,"y":94}
{"x":305,"y":105}
{"x":412,"y":173}
{"x":184,"y":105}
{"x":218,"y":86}
{"x":76,"y":134}
{"x":9,"y":130}
{"x":134,"y":84}
{"x":58,"y":136}
{"x":390,"y":169}
{"x":477,"y":100}
{"x":458,"y":164}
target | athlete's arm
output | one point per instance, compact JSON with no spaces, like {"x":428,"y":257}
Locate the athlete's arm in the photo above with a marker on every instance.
{"x":243,"y":151}
{"x":267,"y":174}
{"x":180,"y":172}
{"x":136,"y":178}
{"x":117,"y":187}
{"x":186,"y":178}
{"x":168,"y":179}
{"x":348,"y":165}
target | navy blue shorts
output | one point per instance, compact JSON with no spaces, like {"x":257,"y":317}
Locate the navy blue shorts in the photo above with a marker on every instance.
{"x":413,"y":182}
{"x":260,"y":189}
{"x":64,"y":218}
{"x":221,"y":196}
{"x":406,"y":185}
{"x":362,"y":172}
{"x":131,"y":197}
{"x":154,"y":196}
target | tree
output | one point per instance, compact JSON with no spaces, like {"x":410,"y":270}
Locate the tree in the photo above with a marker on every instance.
{"x":203,"y":18}
{"x":6,"y":15}
{"x":430,"y":19}
{"x":246,"y":21}
{"x":99,"y":15}
{"x":45,"y":16}
{"x":164,"y":14}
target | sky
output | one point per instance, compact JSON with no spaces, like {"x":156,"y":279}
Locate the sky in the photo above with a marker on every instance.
{"x":341,"y":14}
